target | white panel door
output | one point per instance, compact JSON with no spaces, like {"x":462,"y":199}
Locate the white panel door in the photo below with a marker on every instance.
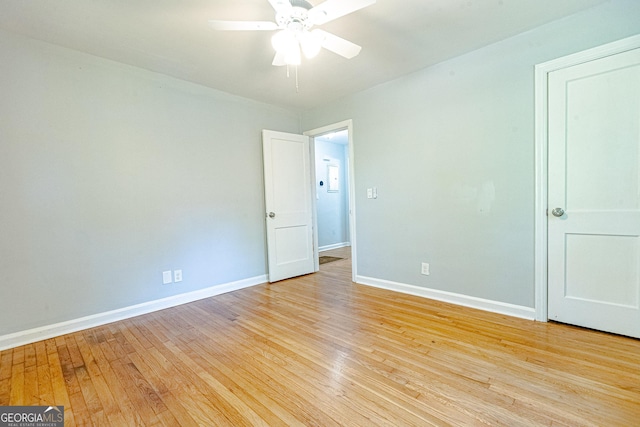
{"x":289,"y":214}
{"x":594,"y":162}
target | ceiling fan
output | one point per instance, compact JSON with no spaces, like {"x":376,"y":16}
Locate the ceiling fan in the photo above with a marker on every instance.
{"x":294,"y":20}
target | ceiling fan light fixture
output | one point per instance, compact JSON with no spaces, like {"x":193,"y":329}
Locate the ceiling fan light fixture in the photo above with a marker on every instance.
{"x":311,"y":43}
{"x":293,"y":57}
{"x":286,"y":43}
{"x":283,"y":40}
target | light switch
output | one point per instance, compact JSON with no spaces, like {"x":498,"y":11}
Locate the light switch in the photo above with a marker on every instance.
{"x":375,"y":192}
{"x":369,"y":193}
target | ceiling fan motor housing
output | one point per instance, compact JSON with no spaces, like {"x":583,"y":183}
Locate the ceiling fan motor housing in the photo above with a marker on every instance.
{"x":295,"y":18}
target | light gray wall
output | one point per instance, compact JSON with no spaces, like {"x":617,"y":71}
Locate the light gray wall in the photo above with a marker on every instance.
{"x":451,"y":151}
{"x":111,"y":174}
{"x":331,"y":208}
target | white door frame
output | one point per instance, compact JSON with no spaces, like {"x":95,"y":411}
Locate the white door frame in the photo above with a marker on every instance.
{"x":541,"y":160}
{"x":348,"y":125}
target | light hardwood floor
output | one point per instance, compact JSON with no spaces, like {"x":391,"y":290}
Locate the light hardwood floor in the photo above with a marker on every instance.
{"x":321,"y":351}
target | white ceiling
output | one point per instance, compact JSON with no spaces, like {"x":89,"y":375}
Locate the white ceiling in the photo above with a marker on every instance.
{"x":172,"y":37}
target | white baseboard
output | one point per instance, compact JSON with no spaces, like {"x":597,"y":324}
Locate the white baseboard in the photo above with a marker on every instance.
{"x":450,"y":297}
{"x":334,"y":246}
{"x":49,"y":331}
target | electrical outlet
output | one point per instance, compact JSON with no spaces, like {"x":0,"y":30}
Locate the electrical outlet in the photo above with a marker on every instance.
{"x":425,"y":268}
{"x":177,"y":275}
{"x":166,"y":277}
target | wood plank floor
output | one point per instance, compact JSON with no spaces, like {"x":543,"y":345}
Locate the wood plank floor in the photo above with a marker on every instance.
{"x":321,"y":351}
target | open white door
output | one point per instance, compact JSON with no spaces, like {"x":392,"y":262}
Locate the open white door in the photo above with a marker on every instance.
{"x":288,"y":200}
{"x":594,"y":194}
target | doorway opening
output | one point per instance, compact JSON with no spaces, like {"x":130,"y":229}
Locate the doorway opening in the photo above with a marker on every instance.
{"x":333,"y":199}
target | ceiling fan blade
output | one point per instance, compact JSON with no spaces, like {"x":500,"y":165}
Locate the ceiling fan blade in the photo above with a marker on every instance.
{"x":279,"y":5}
{"x":279,"y":60}
{"x":242,"y":25}
{"x":337,"y":44}
{"x":333,"y":9}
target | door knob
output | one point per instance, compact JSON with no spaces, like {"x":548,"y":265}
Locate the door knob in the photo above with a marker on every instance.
{"x":558,"y":212}
{"x":272,"y":215}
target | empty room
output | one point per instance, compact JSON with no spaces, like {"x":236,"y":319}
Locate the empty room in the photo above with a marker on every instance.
{"x":320,"y":213}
